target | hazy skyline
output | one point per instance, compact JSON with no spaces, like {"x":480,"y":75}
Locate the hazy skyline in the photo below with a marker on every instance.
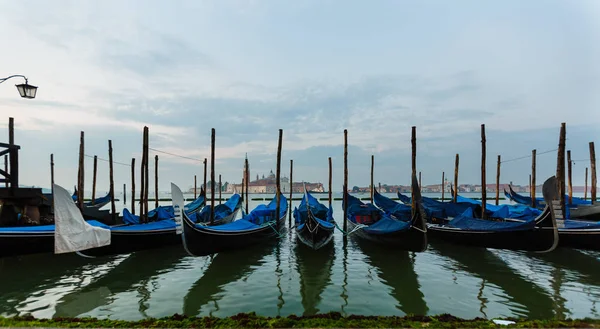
{"x":312,"y":68}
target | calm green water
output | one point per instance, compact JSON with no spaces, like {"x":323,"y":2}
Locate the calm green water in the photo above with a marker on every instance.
{"x":285,"y":278}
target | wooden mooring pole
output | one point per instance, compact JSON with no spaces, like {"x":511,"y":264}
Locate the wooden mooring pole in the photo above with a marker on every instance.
{"x":212,"y":176}
{"x":560,"y":167}
{"x":246,"y":179}
{"x":14,"y":157}
{"x":94,"y":179}
{"x":291,"y":191}
{"x":155,"y":181}
{"x":133,"y":186}
{"x":498,"y":181}
{"x":372,"y":178}
{"x":278,"y":177}
{"x":113,"y":211}
{"x":124,"y":193}
{"x":420,"y":185}
{"x":586,"y":185}
{"x":146,"y":174}
{"x":330,"y":191}
{"x":569,"y":176}
{"x":80,"y":178}
{"x":454,"y":197}
{"x":195,"y":187}
{"x":533,"y":172}
{"x":413,"y":142}
{"x":483,"y":183}
{"x":52,"y":172}
{"x":142,"y":183}
{"x":443,"y":185}
{"x":345,"y":198}
{"x":593,"y":168}
{"x":220,"y":188}
{"x":204,"y":184}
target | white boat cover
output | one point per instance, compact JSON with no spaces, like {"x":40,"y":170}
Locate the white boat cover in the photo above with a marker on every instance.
{"x":178,"y":203}
{"x":72,"y":233}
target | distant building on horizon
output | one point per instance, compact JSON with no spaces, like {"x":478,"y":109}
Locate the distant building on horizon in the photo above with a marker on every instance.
{"x":269,"y":185}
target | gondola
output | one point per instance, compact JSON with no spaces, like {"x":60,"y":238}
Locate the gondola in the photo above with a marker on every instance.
{"x":573,"y":233}
{"x":540,"y":203}
{"x":260,"y":225}
{"x":535,"y":234}
{"x":125,"y":238}
{"x":162,"y":233}
{"x":406,"y":231}
{"x":314,"y":222}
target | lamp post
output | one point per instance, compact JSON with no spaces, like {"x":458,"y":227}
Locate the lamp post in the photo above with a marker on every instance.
{"x":25,"y":89}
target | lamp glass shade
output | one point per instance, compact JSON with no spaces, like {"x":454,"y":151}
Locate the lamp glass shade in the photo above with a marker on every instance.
{"x":26,"y":90}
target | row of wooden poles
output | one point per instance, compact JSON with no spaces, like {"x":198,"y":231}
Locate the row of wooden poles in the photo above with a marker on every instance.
{"x":560,"y":172}
{"x":144,"y":170}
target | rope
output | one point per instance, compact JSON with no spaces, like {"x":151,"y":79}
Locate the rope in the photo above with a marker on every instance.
{"x":279,"y":235}
{"x":175,"y":155}
{"x":356,"y":228}
{"x":115,"y":162}
{"x":528,"y":156}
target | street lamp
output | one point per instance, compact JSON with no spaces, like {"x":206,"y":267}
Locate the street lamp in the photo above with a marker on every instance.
{"x":25,"y":89}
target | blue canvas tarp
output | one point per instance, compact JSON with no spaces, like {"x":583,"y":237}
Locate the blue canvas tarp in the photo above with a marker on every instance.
{"x":163,"y":212}
{"x":221,"y":211}
{"x":165,"y":224}
{"x":382,"y":223}
{"x":505,"y":211}
{"x":260,"y":215}
{"x":438,"y":209}
{"x":466,"y":221}
{"x":323,"y":214}
{"x":391,"y":207}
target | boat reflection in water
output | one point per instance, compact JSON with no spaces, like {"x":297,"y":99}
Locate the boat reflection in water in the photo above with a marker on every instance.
{"x":29,"y":283}
{"x":396,"y":269}
{"x":525,"y":298}
{"x":132,"y":273}
{"x":225,"y":267}
{"x":315,"y":269}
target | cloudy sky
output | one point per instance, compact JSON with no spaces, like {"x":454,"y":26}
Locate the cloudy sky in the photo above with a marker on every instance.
{"x":312,"y":68}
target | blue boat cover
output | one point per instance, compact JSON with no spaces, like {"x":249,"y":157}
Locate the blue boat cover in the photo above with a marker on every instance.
{"x":163,"y":212}
{"x":505,"y":211}
{"x":467,"y":222}
{"x":391,"y":207}
{"x":260,"y":215}
{"x":382,"y":222}
{"x":164,"y":224}
{"x":438,"y":209}
{"x":43,"y":228}
{"x":103,"y":200}
{"x":323,"y":214}
{"x":221,"y":211}
{"x":526,"y":200}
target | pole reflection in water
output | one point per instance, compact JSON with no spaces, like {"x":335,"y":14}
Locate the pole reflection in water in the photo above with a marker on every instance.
{"x":344,"y":293}
{"x":315,"y":269}
{"x":525,"y":298}
{"x":396,"y":270}
{"x":226,"y":267}
{"x":133,"y":273}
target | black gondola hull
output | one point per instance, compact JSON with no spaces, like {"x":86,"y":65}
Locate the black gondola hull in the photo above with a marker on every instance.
{"x":202,"y":241}
{"x":412,"y":239}
{"x":319,"y":237}
{"x":15,"y":244}
{"x":579,"y":238}
{"x":537,"y":239}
